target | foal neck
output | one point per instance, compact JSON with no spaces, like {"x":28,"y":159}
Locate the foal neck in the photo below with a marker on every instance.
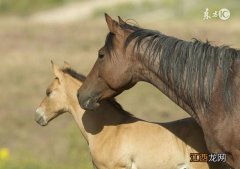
{"x":91,"y":122}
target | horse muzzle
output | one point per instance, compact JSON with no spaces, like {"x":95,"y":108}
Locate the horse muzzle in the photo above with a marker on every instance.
{"x":40,"y":117}
{"x":89,"y":103}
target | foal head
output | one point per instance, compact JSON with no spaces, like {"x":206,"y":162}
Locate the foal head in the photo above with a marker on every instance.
{"x":57,"y":99}
{"x":114,"y":69}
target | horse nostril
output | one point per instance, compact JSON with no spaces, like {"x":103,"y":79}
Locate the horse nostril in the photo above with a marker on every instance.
{"x":40,"y":117}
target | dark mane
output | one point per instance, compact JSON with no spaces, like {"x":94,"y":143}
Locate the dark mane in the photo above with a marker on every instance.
{"x":189,"y":66}
{"x":74,"y":74}
{"x":81,"y":78}
{"x":109,"y":42}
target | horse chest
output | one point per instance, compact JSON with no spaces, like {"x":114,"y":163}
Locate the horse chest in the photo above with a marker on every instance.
{"x":223,"y":133}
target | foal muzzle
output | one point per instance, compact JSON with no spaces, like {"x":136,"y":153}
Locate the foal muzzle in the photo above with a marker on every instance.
{"x":40,"y":117}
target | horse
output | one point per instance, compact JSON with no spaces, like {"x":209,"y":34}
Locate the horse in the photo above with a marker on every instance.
{"x":117,"y":139}
{"x":202,"y":79}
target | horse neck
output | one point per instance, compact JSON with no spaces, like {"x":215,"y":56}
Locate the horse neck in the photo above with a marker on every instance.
{"x":91,"y":123}
{"x":150,"y":73}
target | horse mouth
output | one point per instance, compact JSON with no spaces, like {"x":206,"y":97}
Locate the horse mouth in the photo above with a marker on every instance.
{"x":40,"y":118}
{"x":41,"y":121}
{"x":89,"y":104}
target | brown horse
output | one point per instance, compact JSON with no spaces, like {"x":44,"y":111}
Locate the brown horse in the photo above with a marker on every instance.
{"x":116,"y":139}
{"x":200,"y":78}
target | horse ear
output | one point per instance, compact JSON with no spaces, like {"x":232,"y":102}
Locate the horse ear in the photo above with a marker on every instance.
{"x":66,"y":65}
{"x":113,"y":25}
{"x":57,"y":71}
{"x":121,"y":21}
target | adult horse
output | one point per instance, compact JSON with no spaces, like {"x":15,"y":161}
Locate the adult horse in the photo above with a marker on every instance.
{"x":201,"y":78}
{"x":116,"y":139}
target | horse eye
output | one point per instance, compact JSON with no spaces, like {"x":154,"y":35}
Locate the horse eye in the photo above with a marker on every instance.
{"x":100,"y":56}
{"x":48,"y":92}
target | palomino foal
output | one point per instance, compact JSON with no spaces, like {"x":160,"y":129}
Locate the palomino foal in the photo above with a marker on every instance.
{"x":116,"y":139}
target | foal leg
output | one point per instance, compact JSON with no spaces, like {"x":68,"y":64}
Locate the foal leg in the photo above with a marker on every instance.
{"x":94,"y":166}
{"x":126,"y":167}
{"x":182,"y":166}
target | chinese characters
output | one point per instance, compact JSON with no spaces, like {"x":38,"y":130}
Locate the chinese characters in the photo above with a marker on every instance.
{"x":222,"y":14}
{"x":204,"y":157}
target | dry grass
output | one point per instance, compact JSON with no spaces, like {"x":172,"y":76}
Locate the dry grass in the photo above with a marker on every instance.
{"x":26,"y":50}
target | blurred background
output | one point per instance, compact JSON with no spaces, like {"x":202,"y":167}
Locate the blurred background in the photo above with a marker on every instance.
{"x":32,"y":32}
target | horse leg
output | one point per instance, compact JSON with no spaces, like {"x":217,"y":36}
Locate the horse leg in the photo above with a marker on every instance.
{"x":237,"y":163}
{"x":182,"y":166}
{"x":126,"y":167}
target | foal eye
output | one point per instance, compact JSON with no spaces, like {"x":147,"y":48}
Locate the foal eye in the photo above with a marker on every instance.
{"x":48,"y":92}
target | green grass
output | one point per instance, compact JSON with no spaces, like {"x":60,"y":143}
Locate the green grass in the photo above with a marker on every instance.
{"x":34,"y":164}
{"x":177,"y":9}
{"x":26,"y":164}
{"x":75,"y":154}
{"x":25,"y":7}
{"x":127,"y":9}
{"x":213,"y":5}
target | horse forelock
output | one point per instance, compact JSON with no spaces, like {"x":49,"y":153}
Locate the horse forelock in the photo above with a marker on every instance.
{"x":74,"y":74}
{"x":109,"y":46}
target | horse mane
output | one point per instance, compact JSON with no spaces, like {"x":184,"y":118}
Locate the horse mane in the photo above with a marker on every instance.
{"x":194,"y":61}
{"x":80,"y":77}
{"x":74,"y":74}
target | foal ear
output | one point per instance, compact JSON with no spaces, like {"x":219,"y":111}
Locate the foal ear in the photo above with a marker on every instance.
{"x":113,"y":25}
{"x":57,"y":71}
{"x":66,"y":65}
{"x":121,"y":21}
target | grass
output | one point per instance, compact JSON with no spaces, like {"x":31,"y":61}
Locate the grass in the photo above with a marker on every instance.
{"x":28,"y":164}
{"x":178,"y":9}
{"x":26,"y":7}
{"x":127,"y":9}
